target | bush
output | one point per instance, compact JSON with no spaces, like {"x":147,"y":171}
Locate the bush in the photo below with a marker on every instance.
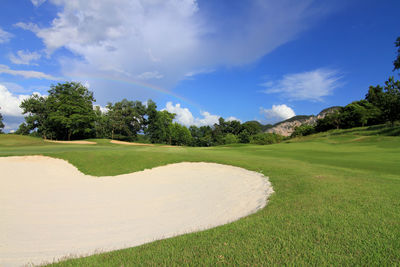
{"x":231,"y":139}
{"x":303,"y":130}
{"x":266,"y":138}
{"x":244,"y":137}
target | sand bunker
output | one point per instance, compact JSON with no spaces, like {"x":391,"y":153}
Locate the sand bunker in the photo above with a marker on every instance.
{"x":129,"y":143}
{"x":73,"y":142}
{"x":135,"y":144}
{"x":49,"y":210}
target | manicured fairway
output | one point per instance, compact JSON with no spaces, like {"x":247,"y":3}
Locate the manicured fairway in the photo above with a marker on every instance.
{"x":336,"y":201}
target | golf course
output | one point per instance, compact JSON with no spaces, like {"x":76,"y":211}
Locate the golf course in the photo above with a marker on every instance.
{"x":336,"y":199}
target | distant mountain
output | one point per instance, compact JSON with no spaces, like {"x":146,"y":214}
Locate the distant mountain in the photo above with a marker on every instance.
{"x":286,"y":127}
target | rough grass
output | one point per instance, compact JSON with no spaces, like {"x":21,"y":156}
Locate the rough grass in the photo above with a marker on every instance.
{"x":336,"y":201}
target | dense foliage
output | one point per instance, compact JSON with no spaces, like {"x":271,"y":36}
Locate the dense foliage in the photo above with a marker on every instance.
{"x":396,"y":62}
{"x":303,"y":130}
{"x":1,"y":123}
{"x":266,"y":138}
{"x":68,"y":113}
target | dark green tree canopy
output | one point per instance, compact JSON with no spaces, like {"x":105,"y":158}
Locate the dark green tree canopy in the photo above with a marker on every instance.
{"x":396,"y":62}
{"x":1,"y":123}
{"x":37,"y":116}
{"x":159,"y":124}
{"x":67,"y":112}
{"x":252,"y":127}
{"x":126,"y":118}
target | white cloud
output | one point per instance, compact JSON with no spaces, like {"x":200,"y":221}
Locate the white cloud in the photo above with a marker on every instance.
{"x":28,"y":26}
{"x":5,"y":36}
{"x":149,"y":75}
{"x":277,"y":113}
{"x":9,"y":103}
{"x":185,"y":117}
{"x":178,"y":38}
{"x":24,"y":57}
{"x":231,"y":118}
{"x":37,"y":2}
{"x":311,"y":85}
{"x":27,"y":73}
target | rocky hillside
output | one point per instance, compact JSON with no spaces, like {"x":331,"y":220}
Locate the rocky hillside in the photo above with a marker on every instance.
{"x":286,"y":127}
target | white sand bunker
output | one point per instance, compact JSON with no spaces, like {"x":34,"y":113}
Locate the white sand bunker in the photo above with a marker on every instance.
{"x":48,"y":209}
{"x":79,"y":142}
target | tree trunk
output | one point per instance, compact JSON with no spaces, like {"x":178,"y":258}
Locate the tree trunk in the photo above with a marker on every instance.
{"x":69,"y":135}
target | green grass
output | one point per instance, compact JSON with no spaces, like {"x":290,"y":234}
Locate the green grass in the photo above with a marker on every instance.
{"x":336,"y":200}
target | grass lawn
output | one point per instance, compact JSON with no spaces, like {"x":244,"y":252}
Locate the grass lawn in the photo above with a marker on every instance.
{"x":336,"y":200}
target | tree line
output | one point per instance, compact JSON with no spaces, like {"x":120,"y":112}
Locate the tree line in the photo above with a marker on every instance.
{"x":68,"y":113}
{"x":381,"y":105}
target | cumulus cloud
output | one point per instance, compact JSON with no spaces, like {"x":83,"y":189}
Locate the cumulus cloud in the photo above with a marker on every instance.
{"x":9,"y":103}
{"x":231,"y":118}
{"x":5,"y":36}
{"x":27,"y":73}
{"x":178,"y":38}
{"x":277,"y":113}
{"x":185,"y":117}
{"x":24,"y":57}
{"x":311,"y":85}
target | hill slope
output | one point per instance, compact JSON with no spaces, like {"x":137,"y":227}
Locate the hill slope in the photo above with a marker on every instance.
{"x":286,"y":127}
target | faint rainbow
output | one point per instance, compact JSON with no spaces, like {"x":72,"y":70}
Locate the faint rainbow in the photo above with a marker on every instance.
{"x":142,"y":84}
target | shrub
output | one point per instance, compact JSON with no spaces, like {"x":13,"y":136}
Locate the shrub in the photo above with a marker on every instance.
{"x":303,"y":130}
{"x":266,"y":138}
{"x":231,"y":139}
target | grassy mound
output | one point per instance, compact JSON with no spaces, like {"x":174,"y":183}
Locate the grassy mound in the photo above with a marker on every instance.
{"x":336,"y":201}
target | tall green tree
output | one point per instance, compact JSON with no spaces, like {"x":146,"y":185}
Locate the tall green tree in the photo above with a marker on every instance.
{"x":101,"y":125}
{"x":391,"y":100}
{"x":180,"y":135}
{"x":201,"y":136}
{"x":233,"y":127}
{"x":1,"y":123}
{"x":375,"y":95}
{"x":71,"y":110}
{"x":126,"y":119}
{"x":252,"y":127}
{"x":244,"y":137}
{"x":37,"y":118}
{"x":387,"y":99}
{"x":396,"y":62}
{"x":219,"y":131}
{"x":360,"y":113}
{"x":67,"y":112}
{"x":159,"y":124}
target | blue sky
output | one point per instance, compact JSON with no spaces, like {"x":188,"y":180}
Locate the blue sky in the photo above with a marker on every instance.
{"x":248,"y":60}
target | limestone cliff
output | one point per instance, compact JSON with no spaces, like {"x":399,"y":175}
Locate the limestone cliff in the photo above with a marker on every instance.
{"x":286,"y":127}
